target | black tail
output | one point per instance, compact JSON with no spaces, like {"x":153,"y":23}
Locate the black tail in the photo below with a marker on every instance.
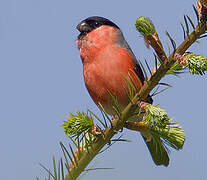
{"x":158,"y":151}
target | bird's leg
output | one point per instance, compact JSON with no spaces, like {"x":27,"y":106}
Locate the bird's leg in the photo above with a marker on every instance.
{"x":137,"y":123}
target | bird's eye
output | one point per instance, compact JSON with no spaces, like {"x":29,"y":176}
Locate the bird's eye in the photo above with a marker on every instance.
{"x":96,"y":24}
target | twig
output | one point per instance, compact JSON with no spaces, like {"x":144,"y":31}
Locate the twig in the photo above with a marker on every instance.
{"x":117,"y":124}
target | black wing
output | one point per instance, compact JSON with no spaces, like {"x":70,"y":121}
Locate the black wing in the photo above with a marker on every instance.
{"x":122,"y":43}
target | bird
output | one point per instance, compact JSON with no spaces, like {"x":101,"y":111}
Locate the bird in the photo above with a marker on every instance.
{"x":107,"y":60}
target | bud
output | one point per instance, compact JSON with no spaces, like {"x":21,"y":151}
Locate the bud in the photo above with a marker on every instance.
{"x":147,"y":29}
{"x":145,"y":26}
{"x":202,"y":10}
{"x":204,"y":3}
{"x":196,"y":64}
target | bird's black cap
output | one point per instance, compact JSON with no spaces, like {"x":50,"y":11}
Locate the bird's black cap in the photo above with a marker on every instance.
{"x":91,"y":23}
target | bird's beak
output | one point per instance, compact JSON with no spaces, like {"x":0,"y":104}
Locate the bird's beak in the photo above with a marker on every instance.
{"x":83,"y":27}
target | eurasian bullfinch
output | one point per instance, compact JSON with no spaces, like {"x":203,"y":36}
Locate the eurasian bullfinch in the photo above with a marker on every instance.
{"x":107,"y":58}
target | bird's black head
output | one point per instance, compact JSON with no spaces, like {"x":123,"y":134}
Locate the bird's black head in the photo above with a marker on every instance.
{"x":92,"y":23}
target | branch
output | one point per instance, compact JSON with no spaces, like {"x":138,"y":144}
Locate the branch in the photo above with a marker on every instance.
{"x":119,"y":123}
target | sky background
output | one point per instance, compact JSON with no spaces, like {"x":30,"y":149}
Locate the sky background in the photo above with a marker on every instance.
{"x":41,"y":81}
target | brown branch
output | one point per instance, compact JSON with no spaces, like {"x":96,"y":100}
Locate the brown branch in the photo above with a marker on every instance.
{"x":117,"y":124}
{"x":154,"y":80}
{"x":154,"y":41}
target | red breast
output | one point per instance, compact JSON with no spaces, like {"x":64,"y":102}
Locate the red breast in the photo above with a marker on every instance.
{"x":104,"y":64}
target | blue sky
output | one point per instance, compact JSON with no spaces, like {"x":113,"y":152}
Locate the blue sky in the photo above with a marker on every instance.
{"x":41,"y":81}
